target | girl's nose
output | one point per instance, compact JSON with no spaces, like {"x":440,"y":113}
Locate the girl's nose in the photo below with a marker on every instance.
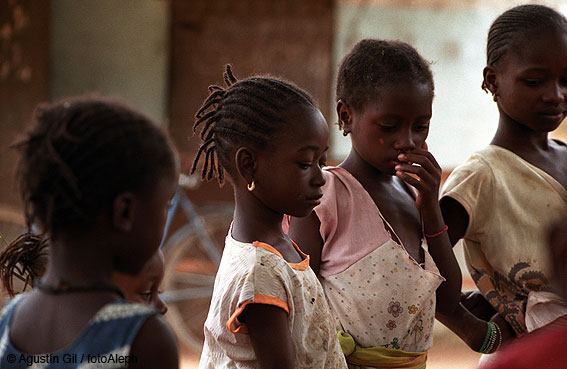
{"x":405,"y":142}
{"x":160,"y":306}
{"x":556,"y":93}
{"x":319,"y":178}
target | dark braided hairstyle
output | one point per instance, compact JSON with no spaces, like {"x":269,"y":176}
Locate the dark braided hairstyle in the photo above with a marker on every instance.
{"x":372,"y":64}
{"x":250,"y":111}
{"x":513,"y":28}
{"x":24,"y":259}
{"x":75,"y":159}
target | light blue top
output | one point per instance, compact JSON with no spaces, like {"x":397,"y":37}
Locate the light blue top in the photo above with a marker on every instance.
{"x":104,"y":343}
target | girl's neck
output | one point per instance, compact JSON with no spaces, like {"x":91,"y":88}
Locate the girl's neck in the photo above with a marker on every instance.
{"x":362,"y":171}
{"x":518,"y":138}
{"x":78,"y":260}
{"x":253,"y":221}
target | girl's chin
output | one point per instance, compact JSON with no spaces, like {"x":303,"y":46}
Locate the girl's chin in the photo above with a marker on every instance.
{"x":390,"y":168}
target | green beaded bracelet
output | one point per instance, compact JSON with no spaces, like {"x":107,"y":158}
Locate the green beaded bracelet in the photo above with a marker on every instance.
{"x":488,"y":332}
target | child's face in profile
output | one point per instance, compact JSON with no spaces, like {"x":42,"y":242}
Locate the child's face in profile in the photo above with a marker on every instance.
{"x":144,"y":287}
{"x":288,"y":175}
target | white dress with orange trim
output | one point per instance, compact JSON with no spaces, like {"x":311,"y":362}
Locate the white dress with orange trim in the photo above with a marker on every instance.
{"x":256,"y":273}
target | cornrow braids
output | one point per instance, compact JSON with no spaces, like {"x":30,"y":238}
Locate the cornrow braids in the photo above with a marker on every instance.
{"x":510,"y":30}
{"x":250,"y":111}
{"x":372,"y":64}
{"x":80,"y":154}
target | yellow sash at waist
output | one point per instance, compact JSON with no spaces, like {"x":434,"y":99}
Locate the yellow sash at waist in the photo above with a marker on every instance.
{"x":379,"y":357}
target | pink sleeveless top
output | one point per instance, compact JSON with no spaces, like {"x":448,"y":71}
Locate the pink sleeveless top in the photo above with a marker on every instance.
{"x":377,"y":292}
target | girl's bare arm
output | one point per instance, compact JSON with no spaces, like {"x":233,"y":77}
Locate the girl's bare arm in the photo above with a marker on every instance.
{"x":426,"y":178}
{"x":456,"y":217}
{"x":270,"y":337}
{"x":305,"y":233}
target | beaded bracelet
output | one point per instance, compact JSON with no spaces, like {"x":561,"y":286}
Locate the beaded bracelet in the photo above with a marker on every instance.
{"x":499,"y":337}
{"x":486,"y":338}
{"x":493,"y":336}
{"x":491,"y":340}
{"x":436,"y":234}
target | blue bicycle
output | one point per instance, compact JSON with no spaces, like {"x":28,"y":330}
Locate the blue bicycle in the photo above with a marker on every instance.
{"x":192,"y":256}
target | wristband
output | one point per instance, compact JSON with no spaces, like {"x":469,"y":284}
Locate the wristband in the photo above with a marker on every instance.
{"x":499,"y":337}
{"x":436,"y":234}
{"x":488,"y":332}
{"x":493,"y":339}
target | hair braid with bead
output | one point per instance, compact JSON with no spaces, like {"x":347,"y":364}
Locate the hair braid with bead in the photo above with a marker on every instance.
{"x":249,"y":111}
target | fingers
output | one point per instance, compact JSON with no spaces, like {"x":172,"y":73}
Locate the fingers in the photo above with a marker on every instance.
{"x":419,"y":169}
{"x":421,"y":157}
{"x":410,"y":179}
{"x":427,"y":168}
{"x":415,"y":175}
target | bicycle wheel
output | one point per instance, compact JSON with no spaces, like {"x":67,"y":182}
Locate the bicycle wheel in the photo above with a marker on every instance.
{"x":190,"y":275}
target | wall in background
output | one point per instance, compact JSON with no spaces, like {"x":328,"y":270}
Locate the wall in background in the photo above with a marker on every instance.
{"x":24,"y":79}
{"x":291,"y":39}
{"x":114,"y":48}
{"x":450,"y":34}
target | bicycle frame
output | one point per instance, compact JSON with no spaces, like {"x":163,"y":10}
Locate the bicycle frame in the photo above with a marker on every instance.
{"x":196,"y":226}
{"x":192,"y":256}
{"x":194,"y":221}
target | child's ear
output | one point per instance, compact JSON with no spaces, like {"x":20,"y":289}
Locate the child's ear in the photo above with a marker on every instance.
{"x":489,"y":74}
{"x":123,"y":212}
{"x":245,"y":162}
{"x":344,"y":113}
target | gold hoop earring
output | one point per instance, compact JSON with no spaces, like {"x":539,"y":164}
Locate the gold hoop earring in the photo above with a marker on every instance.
{"x":251,"y":186}
{"x":495,"y":97}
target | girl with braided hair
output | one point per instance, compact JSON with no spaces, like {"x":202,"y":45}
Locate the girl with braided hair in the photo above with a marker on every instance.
{"x":502,"y":201}
{"x":268,"y":309}
{"x":96,"y":178}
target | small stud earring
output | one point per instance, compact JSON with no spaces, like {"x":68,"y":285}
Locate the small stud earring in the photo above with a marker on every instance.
{"x":345,"y":132}
{"x":251,"y":186}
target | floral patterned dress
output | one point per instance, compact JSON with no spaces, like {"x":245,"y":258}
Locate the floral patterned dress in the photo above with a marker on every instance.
{"x":377,"y":292}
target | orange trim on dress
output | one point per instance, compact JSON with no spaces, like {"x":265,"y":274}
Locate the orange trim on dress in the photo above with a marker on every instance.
{"x":234,"y":326}
{"x":298,"y":266}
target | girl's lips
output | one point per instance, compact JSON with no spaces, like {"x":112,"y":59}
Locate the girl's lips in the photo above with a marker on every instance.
{"x":553,"y":116}
{"x":553,"y":111}
{"x":315,"y":198}
{"x":314,"y":202}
